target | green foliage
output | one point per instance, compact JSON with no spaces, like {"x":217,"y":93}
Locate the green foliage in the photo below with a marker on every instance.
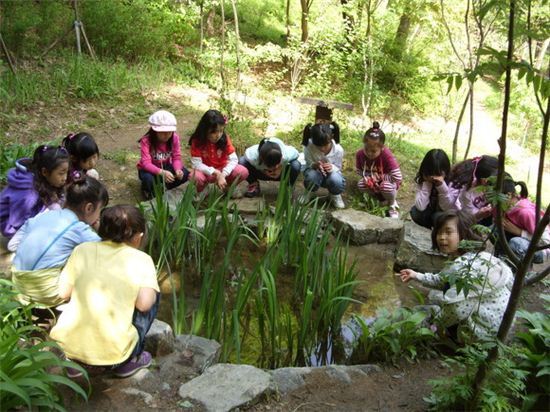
{"x":392,"y":336}
{"x":534,"y":356}
{"x":26,"y":361}
{"x":9,"y":154}
{"x":503,"y":388}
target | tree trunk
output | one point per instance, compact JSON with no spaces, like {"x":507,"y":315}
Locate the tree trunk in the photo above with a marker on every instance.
{"x":347,"y":17}
{"x":471,"y":128}
{"x":210,"y":22}
{"x":402,"y":34}
{"x":287,"y":21}
{"x":222,"y":48}
{"x":237,"y":43}
{"x":305,"y":17}
{"x":457,"y":128}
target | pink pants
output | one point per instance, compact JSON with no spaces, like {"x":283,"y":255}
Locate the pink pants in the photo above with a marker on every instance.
{"x":239,"y":173}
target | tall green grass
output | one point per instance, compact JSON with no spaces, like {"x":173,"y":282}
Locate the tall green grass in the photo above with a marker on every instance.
{"x":292,"y":295}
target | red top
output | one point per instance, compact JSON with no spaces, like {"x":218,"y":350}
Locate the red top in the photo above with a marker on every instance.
{"x":384,"y":167}
{"x":523,"y":215}
{"x":212,"y":156}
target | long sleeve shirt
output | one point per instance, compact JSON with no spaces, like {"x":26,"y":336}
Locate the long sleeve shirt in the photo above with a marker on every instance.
{"x":445,"y":196}
{"x":335,"y":157}
{"x":481,"y":311}
{"x":209,"y":158}
{"x":152,"y":159}
{"x":522,"y":214}
{"x":384,"y":168}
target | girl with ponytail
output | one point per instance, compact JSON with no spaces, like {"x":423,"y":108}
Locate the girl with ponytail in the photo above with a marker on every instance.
{"x":519,"y":221}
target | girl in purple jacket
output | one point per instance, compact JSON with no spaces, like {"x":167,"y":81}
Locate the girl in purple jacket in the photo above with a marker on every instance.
{"x":34,"y":185}
{"x":433,"y":193}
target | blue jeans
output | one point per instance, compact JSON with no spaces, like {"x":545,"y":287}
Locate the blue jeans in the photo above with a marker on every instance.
{"x":334,"y":181}
{"x":519,"y":246}
{"x":142,"y":321}
{"x":148,"y":179}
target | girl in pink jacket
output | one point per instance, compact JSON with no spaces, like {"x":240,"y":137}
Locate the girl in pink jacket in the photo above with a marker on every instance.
{"x":161,"y":154}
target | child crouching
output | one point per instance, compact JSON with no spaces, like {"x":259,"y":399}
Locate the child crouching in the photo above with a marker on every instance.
{"x":114,"y":296}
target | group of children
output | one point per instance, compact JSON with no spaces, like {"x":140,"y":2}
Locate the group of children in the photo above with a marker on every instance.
{"x":214,"y":160}
{"x":69,"y":246}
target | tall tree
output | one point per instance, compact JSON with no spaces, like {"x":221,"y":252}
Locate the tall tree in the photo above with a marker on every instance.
{"x":306,"y":6}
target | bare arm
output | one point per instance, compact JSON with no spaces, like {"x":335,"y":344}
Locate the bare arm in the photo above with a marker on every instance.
{"x":145,"y":299}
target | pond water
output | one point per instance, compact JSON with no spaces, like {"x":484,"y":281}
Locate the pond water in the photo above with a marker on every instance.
{"x":379,"y":287}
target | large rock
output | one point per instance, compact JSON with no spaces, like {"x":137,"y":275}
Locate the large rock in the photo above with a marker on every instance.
{"x":200,"y":352}
{"x":224,"y":387}
{"x":160,"y":339}
{"x":415,"y":250}
{"x":288,"y":379}
{"x":362,"y":228}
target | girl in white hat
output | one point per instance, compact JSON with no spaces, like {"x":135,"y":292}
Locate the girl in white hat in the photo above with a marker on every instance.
{"x":161,"y":154}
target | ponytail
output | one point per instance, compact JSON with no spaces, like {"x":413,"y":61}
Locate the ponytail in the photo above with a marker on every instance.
{"x":523,"y":192}
{"x":269,"y":153}
{"x":85,"y":189}
{"x":306,"y":134}
{"x":509,"y":187}
{"x":375,"y":133}
{"x":335,"y":131}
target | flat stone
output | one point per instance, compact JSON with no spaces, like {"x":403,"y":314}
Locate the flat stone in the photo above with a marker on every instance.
{"x":289,"y":379}
{"x":224,"y":387}
{"x":362,"y":228}
{"x":147,"y":397}
{"x":415,"y":250}
{"x":160,"y":339}
{"x":338,"y":372}
{"x":199,"y":353}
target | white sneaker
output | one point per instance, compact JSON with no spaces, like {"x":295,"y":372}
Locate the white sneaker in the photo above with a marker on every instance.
{"x":337,"y":201}
{"x":393,"y":212}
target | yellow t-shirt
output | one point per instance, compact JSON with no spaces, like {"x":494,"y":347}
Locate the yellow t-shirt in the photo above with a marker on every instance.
{"x":96,"y":326}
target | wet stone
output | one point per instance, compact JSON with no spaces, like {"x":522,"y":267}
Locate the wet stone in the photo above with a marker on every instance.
{"x":362,"y":228}
{"x":197,"y":352}
{"x":160,"y":339}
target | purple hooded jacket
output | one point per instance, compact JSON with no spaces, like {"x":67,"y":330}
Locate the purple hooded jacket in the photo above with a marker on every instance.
{"x":19,"y":200}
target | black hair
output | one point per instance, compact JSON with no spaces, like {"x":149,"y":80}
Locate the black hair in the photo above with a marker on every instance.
{"x":321,"y":134}
{"x":208,"y":123}
{"x":49,"y":158}
{"x":435,"y":163}
{"x":375,"y":133}
{"x":85,"y":189}
{"x":464,"y":173}
{"x":509,"y":187}
{"x":269,"y":153}
{"x":80,"y":146}
{"x":154,"y":140}
{"x":464,"y":224}
{"x":120,"y":223}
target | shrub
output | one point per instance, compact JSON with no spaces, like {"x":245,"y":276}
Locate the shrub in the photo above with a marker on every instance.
{"x":26,"y":361}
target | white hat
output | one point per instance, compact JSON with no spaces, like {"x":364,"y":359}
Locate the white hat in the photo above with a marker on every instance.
{"x":163,"y":121}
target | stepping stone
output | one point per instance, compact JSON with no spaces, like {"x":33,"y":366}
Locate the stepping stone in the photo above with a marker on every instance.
{"x":225,"y":387}
{"x":362,"y":228}
{"x":160,"y":339}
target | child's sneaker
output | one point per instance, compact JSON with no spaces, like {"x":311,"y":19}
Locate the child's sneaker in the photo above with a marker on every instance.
{"x":337,"y":201}
{"x":253,"y":190}
{"x":74,"y":373}
{"x":142,"y":361}
{"x":393,"y":211}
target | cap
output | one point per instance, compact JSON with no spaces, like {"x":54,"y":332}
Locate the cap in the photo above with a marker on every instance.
{"x":163,"y":121}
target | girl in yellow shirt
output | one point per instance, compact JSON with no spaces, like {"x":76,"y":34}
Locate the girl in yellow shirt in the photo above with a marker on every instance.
{"x":114,"y":296}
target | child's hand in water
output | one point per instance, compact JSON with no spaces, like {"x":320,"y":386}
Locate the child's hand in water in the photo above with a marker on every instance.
{"x":407,"y":274}
{"x":168,"y":176}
